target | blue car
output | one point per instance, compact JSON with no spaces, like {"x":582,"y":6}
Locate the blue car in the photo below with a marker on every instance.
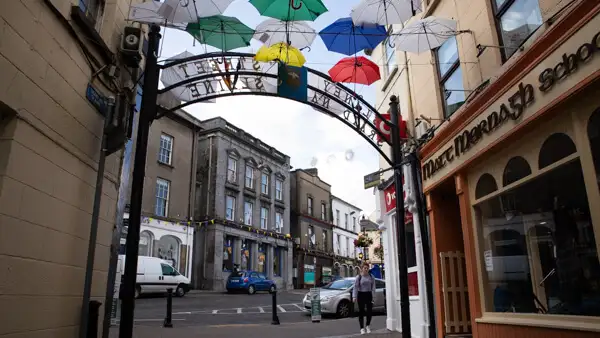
{"x":249,"y":281}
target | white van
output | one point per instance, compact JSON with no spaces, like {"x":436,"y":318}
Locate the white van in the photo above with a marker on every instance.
{"x":155,"y":275}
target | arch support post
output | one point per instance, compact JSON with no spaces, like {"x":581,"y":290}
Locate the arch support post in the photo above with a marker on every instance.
{"x":147,"y":114}
{"x":397,"y":161}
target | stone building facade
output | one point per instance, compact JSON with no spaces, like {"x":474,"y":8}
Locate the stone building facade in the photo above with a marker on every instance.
{"x":346,"y":226}
{"x":243,"y":189}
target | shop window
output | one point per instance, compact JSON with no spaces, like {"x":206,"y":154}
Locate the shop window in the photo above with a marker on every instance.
{"x":411,"y":252}
{"x":262,"y":258}
{"x":246,"y":255}
{"x":167,"y":248}
{"x":555,"y":148}
{"x":145,"y":247}
{"x":228,"y":253}
{"x":541,"y":257}
{"x":277,"y":261}
{"x":516,"y":169}
{"x":485,"y":186}
{"x":594,"y":137}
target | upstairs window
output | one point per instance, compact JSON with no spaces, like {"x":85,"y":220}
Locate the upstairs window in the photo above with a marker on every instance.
{"x":162,"y":197}
{"x":310,"y":205}
{"x":232,"y":170}
{"x":264,"y":218}
{"x":94,"y":11}
{"x":249,"y":181}
{"x":450,"y":74}
{"x":279,"y":190}
{"x":165,"y":149}
{"x":516,"y":20}
{"x":264,"y":183}
{"x":323,"y":211}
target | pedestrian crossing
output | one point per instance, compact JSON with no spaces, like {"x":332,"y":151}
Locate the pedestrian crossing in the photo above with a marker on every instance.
{"x":266,"y":309}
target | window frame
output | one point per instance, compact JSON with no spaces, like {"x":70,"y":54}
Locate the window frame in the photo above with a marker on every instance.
{"x":266,"y":184}
{"x":166,"y":199}
{"x":442,"y":79}
{"x":96,"y":18}
{"x":232,"y":178}
{"x":233,"y":206}
{"x":323,"y":211}
{"x":251,"y":178}
{"x":264,"y":226}
{"x":171,"y":140}
{"x":309,"y":205}
{"x":279,"y":225}
{"x":498,"y":12}
{"x":246,"y":203}
{"x":279,"y":192}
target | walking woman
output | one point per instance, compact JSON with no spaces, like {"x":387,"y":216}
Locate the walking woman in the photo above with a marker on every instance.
{"x":364,"y":293}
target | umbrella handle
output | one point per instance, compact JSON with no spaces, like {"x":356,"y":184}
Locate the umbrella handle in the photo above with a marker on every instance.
{"x":392,"y":45}
{"x":307,"y":47}
{"x":294,"y":6}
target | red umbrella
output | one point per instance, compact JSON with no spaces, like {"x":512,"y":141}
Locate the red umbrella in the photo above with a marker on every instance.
{"x":355,"y":70}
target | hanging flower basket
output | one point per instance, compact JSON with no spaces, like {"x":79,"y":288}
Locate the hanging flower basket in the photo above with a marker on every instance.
{"x":378,"y":252}
{"x":363,"y":241}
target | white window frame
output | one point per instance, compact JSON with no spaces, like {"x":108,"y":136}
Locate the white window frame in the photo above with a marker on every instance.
{"x":323,"y":211}
{"x":164,"y":200}
{"x":309,"y":205}
{"x":278,"y":221}
{"x":264,"y":218}
{"x":233,"y":206}
{"x":346,"y":218}
{"x":249,"y":181}
{"x":278,"y":189}
{"x":264,"y":186}
{"x":248,"y":213}
{"x":232,"y":172}
{"x":337,"y":217}
{"x":165,"y":149}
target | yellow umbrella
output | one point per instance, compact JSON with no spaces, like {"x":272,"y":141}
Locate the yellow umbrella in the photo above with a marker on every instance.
{"x":281,"y":51}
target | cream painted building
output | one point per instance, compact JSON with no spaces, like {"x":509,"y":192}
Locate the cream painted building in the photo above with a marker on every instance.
{"x":510,"y":174}
{"x":50,"y":50}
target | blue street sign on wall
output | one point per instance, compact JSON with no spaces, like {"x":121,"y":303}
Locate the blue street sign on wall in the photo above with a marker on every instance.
{"x":96,"y":99}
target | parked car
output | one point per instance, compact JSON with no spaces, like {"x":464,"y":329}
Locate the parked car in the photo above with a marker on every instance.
{"x":249,"y":281}
{"x":336,"y":298}
{"x":155,"y":275}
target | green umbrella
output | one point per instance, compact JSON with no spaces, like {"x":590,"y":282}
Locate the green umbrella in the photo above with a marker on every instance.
{"x":290,"y":10}
{"x":223,"y":32}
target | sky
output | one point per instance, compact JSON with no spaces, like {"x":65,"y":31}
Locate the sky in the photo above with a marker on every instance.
{"x":310,"y":138}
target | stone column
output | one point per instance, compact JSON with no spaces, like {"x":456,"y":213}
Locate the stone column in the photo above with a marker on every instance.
{"x":237,"y":251}
{"x":270,"y":260}
{"x":216,"y":250}
{"x":289,"y":266}
{"x":254,"y":255}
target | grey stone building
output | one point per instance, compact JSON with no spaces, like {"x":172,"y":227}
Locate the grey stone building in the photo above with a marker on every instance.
{"x":312,"y":228}
{"x":243,"y":189}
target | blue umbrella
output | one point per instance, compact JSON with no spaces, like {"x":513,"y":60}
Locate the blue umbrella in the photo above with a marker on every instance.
{"x":344,"y":37}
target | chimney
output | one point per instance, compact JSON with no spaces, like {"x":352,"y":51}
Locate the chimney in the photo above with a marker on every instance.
{"x":312,"y":171}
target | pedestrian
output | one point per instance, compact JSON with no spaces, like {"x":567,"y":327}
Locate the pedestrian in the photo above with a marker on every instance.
{"x":364,"y":293}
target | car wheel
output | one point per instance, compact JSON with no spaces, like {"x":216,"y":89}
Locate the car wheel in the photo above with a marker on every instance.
{"x":272,"y":289}
{"x":180,"y":291}
{"x":137,"y":292}
{"x":251,"y":290}
{"x":343,"y":309}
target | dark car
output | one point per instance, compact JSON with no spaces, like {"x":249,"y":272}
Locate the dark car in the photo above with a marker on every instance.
{"x":249,"y":281}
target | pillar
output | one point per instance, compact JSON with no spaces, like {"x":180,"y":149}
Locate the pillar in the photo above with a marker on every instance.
{"x":237,"y":251}
{"x":270,"y":259}
{"x":254,"y":256}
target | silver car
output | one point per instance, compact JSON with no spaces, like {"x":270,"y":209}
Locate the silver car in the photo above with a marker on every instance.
{"x":336,"y":297}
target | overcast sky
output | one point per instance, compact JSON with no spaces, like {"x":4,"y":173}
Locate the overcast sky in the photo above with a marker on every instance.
{"x":310,"y":138}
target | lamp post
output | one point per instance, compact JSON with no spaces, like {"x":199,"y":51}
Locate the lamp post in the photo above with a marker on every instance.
{"x":397,"y":162}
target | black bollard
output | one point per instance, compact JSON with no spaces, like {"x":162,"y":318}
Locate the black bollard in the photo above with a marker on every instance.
{"x":93,"y":315}
{"x":168,"y":322}
{"x":275,"y":320}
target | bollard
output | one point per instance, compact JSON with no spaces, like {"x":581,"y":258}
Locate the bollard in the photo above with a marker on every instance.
{"x":168,"y":322}
{"x":275,"y":320}
{"x":93,"y":315}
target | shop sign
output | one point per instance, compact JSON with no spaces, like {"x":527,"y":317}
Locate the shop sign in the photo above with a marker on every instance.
{"x":390,"y":202}
{"x":513,"y":107}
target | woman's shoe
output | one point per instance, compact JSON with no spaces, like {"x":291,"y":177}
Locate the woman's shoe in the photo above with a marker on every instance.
{"x":363,"y":331}
{"x":368,"y":329}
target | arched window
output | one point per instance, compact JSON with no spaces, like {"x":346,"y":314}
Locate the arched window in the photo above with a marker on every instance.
{"x":516,"y":169}
{"x":167,"y":248}
{"x":146,"y":240}
{"x":485,"y":186}
{"x":556,"y":147}
{"x":594,"y":137}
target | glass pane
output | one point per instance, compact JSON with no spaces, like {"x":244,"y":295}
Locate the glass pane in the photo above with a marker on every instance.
{"x":499,"y":3}
{"x":520,"y":20}
{"x":540,"y":253}
{"x":228,"y":253}
{"x":447,"y":55}
{"x":453,"y":92}
{"x":390,"y":59}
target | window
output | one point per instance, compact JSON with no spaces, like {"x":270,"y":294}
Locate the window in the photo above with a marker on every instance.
{"x":93,"y":10}
{"x":379,"y":284}
{"x":162,"y":197}
{"x":231,"y":170}
{"x":249,"y":181}
{"x":325,"y":246}
{"x":324,"y":211}
{"x":279,"y":190}
{"x":310,"y":206}
{"x":277,"y":261}
{"x":411,"y":253}
{"x":168,"y":270}
{"x":264,"y":218}
{"x":516,"y":20}
{"x":145,"y":246}
{"x":354,"y":224}
{"x":311,"y":236}
{"x":390,"y":55}
{"x":338,"y":248}
{"x":337,"y":217}
{"x":450,"y":73}
{"x":165,"y":149}
{"x":246,"y":255}
{"x":345,"y":221}
{"x":228,"y":253}
{"x":230,"y":208}
{"x":264,"y":183}
{"x":278,"y":222}
{"x":262,"y":258}
{"x":540,"y":252}
{"x":248,"y":208}
{"x":350,"y":247}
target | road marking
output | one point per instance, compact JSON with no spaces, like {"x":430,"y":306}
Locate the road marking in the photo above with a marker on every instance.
{"x":155,"y":320}
{"x":182,"y":313}
{"x":235,"y":325}
{"x":261,"y":309}
{"x":239,"y":310}
{"x":298,"y":306}
{"x":281,"y":308}
{"x":214,"y":312}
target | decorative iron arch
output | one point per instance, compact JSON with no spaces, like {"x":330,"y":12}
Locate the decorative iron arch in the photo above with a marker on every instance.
{"x":241,"y":75}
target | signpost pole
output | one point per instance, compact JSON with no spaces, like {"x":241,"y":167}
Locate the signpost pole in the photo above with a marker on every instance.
{"x":400,"y":223}
{"x":147,"y":114}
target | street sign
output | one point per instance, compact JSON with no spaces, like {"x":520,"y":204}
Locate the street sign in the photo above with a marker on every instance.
{"x":97,"y":100}
{"x":315,"y":305}
{"x":372,"y":180}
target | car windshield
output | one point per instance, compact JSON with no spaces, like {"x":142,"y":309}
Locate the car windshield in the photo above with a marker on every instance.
{"x":237,"y":274}
{"x":341,"y":284}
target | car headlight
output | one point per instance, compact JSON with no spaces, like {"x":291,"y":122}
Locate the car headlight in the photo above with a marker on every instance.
{"x":326,"y":298}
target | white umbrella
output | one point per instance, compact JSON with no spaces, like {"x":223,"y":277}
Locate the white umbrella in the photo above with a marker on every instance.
{"x":382,"y":12}
{"x":173,"y":75}
{"x":297,"y":33}
{"x":176,"y":13}
{"x":425,"y":34}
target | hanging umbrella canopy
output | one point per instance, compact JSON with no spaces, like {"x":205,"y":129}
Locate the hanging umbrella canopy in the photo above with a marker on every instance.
{"x":282,"y":52}
{"x":297,"y":33}
{"x":355,"y":70}
{"x":425,"y":34}
{"x":223,"y":32}
{"x":382,"y":12}
{"x":290,"y":10}
{"x":344,"y":37}
{"x":176,"y":13}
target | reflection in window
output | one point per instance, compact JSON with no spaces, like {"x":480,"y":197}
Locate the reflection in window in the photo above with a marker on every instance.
{"x":451,"y":80}
{"x":518,"y":19}
{"x":555,"y":148}
{"x":516,"y":169}
{"x":594,"y":137}
{"x":262,"y":258}
{"x":167,"y":248}
{"x":228,"y":253}
{"x":145,"y":247}
{"x":277,"y":261}
{"x":485,"y":186}
{"x":541,"y":256}
{"x":246,"y":255}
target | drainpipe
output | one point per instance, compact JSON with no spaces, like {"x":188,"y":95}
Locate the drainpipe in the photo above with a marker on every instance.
{"x":192,"y":199}
{"x":207,"y":201}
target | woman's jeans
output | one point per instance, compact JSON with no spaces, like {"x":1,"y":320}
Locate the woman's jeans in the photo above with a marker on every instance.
{"x":365,"y":300}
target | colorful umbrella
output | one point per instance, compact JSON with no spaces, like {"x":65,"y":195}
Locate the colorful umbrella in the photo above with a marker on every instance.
{"x":355,"y":70}
{"x":290,"y":10}
{"x":281,"y":52}
{"x":344,"y":37}
{"x":297,"y":33}
{"x":223,"y":32}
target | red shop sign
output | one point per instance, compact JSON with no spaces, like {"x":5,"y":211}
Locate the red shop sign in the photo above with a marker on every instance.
{"x":413,"y":284}
{"x":390,"y":201}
